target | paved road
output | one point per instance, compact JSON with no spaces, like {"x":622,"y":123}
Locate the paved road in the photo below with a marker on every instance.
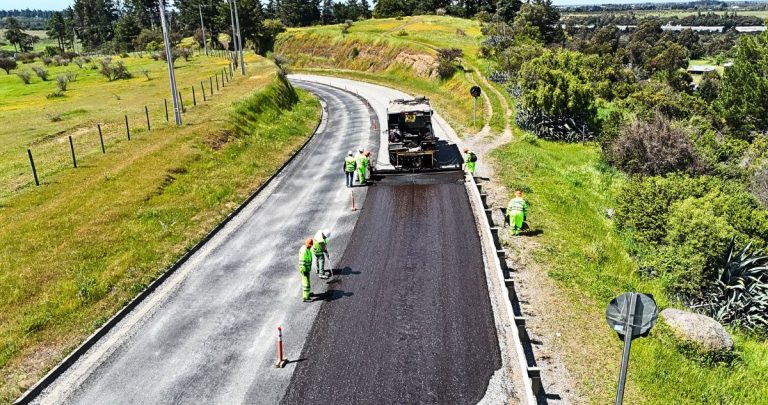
{"x":413,"y":322}
{"x":207,"y":335}
{"x":409,"y":322}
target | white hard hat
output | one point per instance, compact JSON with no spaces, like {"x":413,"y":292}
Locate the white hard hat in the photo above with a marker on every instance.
{"x":360,"y":150}
{"x":327,"y":233}
{"x":349,"y":153}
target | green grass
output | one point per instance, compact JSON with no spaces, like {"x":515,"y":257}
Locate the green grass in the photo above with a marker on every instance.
{"x":31,"y":120}
{"x":38,"y":46}
{"x":570,"y":191}
{"x":385,"y":56}
{"x":581,"y":254}
{"x":78,"y":248}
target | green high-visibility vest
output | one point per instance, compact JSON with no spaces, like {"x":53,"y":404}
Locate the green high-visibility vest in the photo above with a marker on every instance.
{"x":362,"y":161}
{"x":349,"y":164}
{"x":305,"y":256}
{"x":517,"y":204}
{"x":318,"y":245}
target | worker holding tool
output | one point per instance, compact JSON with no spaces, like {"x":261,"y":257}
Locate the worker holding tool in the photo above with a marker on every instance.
{"x":470,"y":161}
{"x":320,"y":249}
{"x":362,"y":165}
{"x":350,"y":164}
{"x":305,"y":268}
{"x":517,"y":212}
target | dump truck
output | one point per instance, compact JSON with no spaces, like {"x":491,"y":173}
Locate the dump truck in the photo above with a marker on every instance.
{"x":412,"y":141}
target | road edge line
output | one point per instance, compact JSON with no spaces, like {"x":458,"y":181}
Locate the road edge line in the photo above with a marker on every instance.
{"x":32,"y":392}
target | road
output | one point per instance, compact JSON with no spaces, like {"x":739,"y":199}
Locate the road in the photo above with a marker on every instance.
{"x":208,"y":335}
{"x":409,"y":321}
{"x":413,"y":322}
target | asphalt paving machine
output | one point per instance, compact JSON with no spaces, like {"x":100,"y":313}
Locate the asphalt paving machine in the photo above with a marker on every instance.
{"x":412,"y":141}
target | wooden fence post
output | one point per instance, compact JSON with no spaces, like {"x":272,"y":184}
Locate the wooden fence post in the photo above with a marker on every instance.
{"x":101,"y":139}
{"x":72,"y":150}
{"x":127,"y":128}
{"x":146,"y":112}
{"x":34,"y":170}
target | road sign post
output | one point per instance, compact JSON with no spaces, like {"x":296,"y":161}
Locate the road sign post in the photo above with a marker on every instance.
{"x":630,"y":315}
{"x":475,"y":92}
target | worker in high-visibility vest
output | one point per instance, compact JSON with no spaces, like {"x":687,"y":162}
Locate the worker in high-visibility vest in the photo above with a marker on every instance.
{"x":470,"y":161}
{"x":517,"y":212}
{"x":362,"y":166}
{"x":320,"y":250}
{"x":305,"y":268}
{"x":350,"y":164}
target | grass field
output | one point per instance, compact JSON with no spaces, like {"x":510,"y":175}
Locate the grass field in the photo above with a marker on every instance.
{"x":39,"y":45}
{"x":78,"y":248}
{"x":389,"y":51}
{"x":42,"y":124}
{"x":578,"y":251}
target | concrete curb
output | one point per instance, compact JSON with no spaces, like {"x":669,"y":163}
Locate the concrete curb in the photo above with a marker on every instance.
{"x":35,"y":390}
{"x":530,"y":375}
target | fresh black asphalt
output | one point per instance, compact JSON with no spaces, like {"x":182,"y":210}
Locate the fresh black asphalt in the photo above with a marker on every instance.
{"x":409,"y":321}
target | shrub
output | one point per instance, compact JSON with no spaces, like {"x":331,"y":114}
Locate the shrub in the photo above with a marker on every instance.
{"x":346,"y":26}
{"x":653,"y":148}
{"x":116,"y":71}
{"x":402,"y":33}
{"x":46,"y":60}
{"x":26,"y":57}
{"x":7,"y":64}
{"x":55,"y":94}
{"x":79,"y":62}
{"x":41,"y":73}
{"x":740,"y":294}
{"x":145,"y":72}
{"x":61,"y":82}
{"x":25,"y":76}
{"x":185,"y":53}
{"x":446,"y":57}
{"x":71,"y":76}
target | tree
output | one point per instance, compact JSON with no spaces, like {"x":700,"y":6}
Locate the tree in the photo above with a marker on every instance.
{"x":7,"y":64}
{"x":540,"y":14}
{"x":327,"y":16}
{"x":93,"y":22}
{"x":391,"y":8}
{"x":57,"y":28}
{"x":743,"y":101}
{"x":709,"y":88}
{"x":557,"y":84}
{"x":127,"y":30}
{"x":672,"y":58}
{"x":13,"y":32}
{"x":299,"y":12}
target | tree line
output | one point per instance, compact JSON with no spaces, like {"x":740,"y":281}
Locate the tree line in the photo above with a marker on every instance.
{"x":134,"y":25}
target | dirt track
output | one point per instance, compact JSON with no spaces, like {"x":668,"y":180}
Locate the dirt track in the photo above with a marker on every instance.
{"x":410,"y":320}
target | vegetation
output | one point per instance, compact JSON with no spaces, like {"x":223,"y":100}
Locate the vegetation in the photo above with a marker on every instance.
{"x":133,"y":212}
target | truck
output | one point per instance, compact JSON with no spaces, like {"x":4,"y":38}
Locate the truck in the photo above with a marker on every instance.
{"x":412,"y":141}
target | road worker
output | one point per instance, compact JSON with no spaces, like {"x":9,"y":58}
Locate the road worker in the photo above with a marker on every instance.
{"x":305,"y":268}
{"x":517,"y":212}
{"x":362,"y":166}
{"x":350,"y":164}
{"x":320,"y":249}
{"x":470,"y":161}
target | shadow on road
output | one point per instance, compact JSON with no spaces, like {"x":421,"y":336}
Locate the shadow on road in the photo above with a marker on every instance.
{"x":332,"y":295}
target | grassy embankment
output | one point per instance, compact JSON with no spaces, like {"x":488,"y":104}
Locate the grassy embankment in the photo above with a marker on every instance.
{"x":400,"y":53}
{"x":579,"y":252}
{"x":76,"y":249}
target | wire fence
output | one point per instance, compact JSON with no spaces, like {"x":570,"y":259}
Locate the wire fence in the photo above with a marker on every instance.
{"x":62,"y":151}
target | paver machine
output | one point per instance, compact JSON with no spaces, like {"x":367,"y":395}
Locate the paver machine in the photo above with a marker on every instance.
{"x":412,"y":141}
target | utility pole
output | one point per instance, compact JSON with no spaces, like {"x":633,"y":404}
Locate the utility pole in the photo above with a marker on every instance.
{"x":169,"y":58}
{"x":202,"y":27}
{"x":232,"y":20}
{"x":239,"y":40}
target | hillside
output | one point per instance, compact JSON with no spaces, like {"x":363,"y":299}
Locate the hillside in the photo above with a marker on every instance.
{"x":577,"y":261}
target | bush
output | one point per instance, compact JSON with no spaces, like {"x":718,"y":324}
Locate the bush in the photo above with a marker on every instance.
{"x":55,"y":94}
{"x":79,"y":62}
{"x":61,"y":82}
{"x":71,"y":76}
{"x":116,"y":71}
{"x":25,"y":76}
{"x":41,"y":73}
{"x":446,"y":57}
{"x":46,"y":60}
{"x":653,"y":148}
{"x":556,"y":97}
{"x":26,"y":57}
{"x":740,"y":294}
{"x":7,"y":64}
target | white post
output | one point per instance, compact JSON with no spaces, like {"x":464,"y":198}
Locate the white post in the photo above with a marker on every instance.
{"x":169,"y":57}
